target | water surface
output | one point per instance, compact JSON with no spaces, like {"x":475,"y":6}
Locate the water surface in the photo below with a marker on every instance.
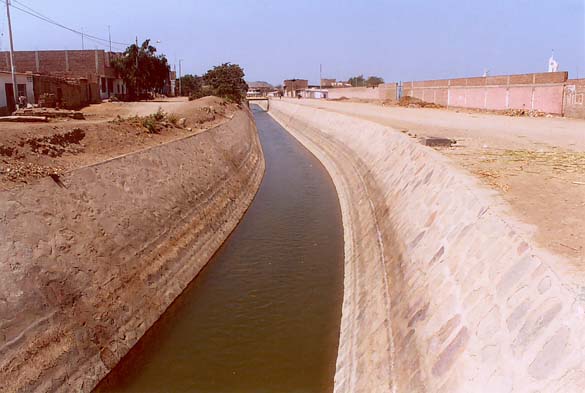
{"x":264,"y":315}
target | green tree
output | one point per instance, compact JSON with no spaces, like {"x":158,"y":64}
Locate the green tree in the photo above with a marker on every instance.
{"x":142,"y":70}
{"x":191,"y":85}
{"x":357,"y":81}
{"x":374,"y":81}
{"x":226,"y":81}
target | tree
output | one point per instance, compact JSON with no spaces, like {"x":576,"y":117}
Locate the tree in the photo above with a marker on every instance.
{"x":374,"y":81}
{"x":191,"y":85}
{"x":142,"y":69}
{"x":360,"y":81}
{"x":357,"y":81}
{"x":226,"y":81}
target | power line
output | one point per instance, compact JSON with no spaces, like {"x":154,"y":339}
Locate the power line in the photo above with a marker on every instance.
{"x":41,"y":16}
{"x":28,"y":10}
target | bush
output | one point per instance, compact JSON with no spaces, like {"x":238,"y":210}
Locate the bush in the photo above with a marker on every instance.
{"x":173,"y":119}
{"x":150,"y":124}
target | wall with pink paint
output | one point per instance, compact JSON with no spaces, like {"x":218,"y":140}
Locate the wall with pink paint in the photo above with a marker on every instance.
{"x":540,"y":92}
{"x":549,"y":98}
{"x":496,"y":98}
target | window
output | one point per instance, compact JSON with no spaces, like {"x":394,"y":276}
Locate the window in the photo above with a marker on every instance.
{"x":21,"y":90}
{"x":579,"y":99}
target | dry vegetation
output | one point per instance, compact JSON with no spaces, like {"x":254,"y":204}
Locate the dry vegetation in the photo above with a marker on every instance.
{"x":31,"y":151}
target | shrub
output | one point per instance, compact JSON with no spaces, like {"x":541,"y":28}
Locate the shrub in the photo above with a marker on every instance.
{"x":172,"y":118}
{"x":150,"y":124}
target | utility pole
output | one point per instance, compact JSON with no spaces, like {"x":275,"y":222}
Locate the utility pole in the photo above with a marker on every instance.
{"x":14,"y":85}
{"x":136,"y":73}
{"x":180,"y":82}
{"x":82,"y":43}
{"x":110,"y":38}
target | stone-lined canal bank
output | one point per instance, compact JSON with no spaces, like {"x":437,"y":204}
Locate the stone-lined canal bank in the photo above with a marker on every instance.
{"x":443,"y":291}
{"x":93,"y":257}
{"x":264,"y":314}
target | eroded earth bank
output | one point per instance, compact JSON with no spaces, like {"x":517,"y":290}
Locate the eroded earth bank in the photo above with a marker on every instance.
{"x":443,"y":291}
{"x":93,"y":255}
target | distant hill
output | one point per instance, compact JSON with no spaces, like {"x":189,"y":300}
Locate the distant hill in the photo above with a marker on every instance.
{"x":260,"y":85}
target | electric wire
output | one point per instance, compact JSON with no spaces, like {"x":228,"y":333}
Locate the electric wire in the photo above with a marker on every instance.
{"x":30,"y":11}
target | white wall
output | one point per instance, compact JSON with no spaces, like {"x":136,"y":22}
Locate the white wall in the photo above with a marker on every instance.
{"x":20,"y":79}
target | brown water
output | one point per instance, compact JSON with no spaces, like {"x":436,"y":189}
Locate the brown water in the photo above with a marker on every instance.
{"x":264,"y":315}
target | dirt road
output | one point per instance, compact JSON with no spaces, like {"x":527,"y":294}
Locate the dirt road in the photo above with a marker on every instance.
{"x":536,"y":164}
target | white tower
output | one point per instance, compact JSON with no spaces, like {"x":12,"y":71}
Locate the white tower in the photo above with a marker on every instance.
{"x":553,"y":66}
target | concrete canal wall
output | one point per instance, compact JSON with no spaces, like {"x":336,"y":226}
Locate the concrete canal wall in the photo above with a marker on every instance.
{"x":90,"y":262}
{"x":443,"y":292}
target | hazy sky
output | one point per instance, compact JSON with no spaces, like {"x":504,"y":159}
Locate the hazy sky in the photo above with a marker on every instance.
{"x":274,"y":40}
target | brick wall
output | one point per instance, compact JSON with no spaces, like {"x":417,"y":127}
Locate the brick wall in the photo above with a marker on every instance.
{"x":540,"y":92}
{"x":385,"y":91}
{"x":574,"y":98}
{"x":292,"y":85}
{"x":366,"y":93}
{"x":70,"y":94}
{"x":66,"y":63}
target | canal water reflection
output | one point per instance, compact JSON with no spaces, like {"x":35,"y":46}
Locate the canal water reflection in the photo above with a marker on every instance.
{"x":264,"y":315}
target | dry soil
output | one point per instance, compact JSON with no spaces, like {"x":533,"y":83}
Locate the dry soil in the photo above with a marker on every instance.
{"x":29,"y":151}
{"x":536,"y":164}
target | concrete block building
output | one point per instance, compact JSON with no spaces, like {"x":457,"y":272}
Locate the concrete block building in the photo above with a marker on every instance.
{"x":295,"y":87}
{"x":93,"y":65}
{"x":24,"y":82}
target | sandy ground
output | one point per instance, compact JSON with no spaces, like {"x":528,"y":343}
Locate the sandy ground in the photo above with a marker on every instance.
{"x":29,"y":151}
{"x":536,"y":164}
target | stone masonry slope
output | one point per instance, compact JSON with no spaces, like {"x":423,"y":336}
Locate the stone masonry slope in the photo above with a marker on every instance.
{"x":91,"y":259}
{"x":443,"y":292}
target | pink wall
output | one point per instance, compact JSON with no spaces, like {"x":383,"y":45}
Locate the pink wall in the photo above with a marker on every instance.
{"x":496,"y":98}
{"x":541,"y":92}
{"x":549,"y":98}
{"x":520,"y":98}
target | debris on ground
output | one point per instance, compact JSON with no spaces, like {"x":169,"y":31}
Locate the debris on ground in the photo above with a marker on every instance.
{"x":50,"y":113}
{"x":57,"y":144}
{"x":437,"y":142}
{"x":412,"y":102}
{"x":342,"y":98}
{"x":524,"y":112}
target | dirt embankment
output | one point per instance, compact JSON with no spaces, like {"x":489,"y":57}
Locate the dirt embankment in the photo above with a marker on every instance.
{"x":92,"y":258}
{"x":537,"y":165}
{"x":443,"y":290}
{"x":30,"y":151}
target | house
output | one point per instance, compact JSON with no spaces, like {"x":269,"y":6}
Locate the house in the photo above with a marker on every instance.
{"x":294,"y":87}
{"x":315,"y":92}
{"x":25,"y":88}
{"x":93,"y":65}
{"x":259,"y":89}
{"x":325,"y":82}
{"x":72,"y":93}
